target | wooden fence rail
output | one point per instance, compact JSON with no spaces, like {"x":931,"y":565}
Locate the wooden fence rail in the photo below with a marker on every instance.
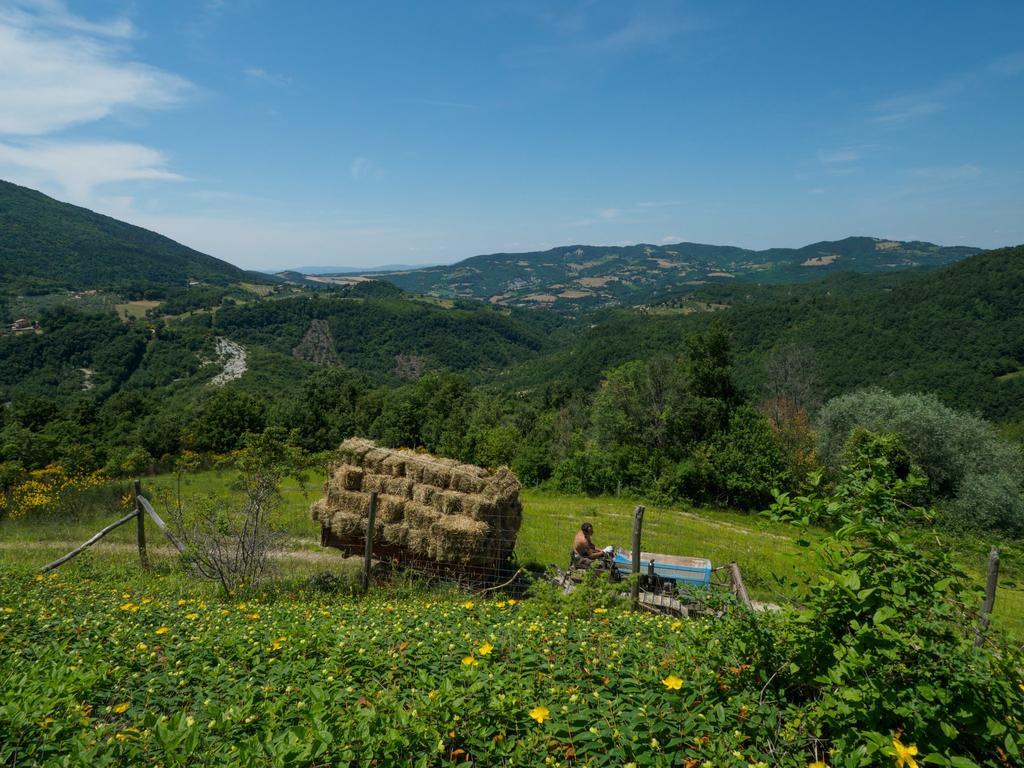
{"x":143,"y":507}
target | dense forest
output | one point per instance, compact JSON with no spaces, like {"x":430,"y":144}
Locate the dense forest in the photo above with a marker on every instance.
{"x":723,"y":394}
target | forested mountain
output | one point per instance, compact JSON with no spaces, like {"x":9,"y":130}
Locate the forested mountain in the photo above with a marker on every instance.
{"x":957,"y":331}
{"x":578,"y":278}
{"x":48,"y":245}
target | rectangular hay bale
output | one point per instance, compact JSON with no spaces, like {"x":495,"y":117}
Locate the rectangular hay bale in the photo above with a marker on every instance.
{"x":399,"y":486}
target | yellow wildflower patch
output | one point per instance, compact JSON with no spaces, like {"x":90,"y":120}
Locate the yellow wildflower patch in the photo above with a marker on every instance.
{"x":540,"y":714}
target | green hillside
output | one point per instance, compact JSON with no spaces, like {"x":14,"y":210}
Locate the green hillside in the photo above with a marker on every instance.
{"x":578,"y":278}
{"x":47,"y":245}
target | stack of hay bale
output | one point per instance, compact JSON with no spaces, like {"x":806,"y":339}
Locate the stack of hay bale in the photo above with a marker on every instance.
{"x":432,"y":508}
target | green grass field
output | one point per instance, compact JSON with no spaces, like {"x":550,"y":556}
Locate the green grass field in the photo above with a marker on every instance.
{"x":765,"y":551}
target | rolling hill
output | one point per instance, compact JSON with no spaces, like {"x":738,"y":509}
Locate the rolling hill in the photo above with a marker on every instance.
{"x":582,"y":277}
{"x":47,"y":245}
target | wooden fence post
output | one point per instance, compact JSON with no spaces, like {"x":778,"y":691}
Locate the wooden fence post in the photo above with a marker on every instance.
{"x":638,"y":522}
{"x":991,"y":582}
{"x":739,"y":587}
{"x":368,"y":554}
{"x":140,"y":526}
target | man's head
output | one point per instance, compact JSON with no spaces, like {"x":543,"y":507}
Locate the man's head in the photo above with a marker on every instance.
{"x":587,"y":529}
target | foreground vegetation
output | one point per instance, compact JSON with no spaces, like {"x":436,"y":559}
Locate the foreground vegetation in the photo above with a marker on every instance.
{"x":107,"y":666}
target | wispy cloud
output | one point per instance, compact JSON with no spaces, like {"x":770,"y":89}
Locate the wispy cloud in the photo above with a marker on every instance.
{"x":77,"y":168}
{"x":59,"y":70}
{"x":667,"y":239}
{"x":948,"y":172}
{"x":365,"y":168}
{"x":839,"y":156}
{"x":260,"y":75}
{"x":907,"y":107}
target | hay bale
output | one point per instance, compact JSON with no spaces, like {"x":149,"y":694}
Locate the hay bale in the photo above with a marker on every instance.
{"x":399,"y":486}
{"x":349,"y":478}
{"x":394,"y":465}
{"x":420,"y":515}
{"x":479,"y":507}
{"x":448,"y":502}
{"x":424,"y":494}
{"x":375,"y":482}
{"x":433,"y":508}
{"x":465,"y":482}
{"x":457,"y":539}
{"x":390,"y":509}
{"x":396,"y":533}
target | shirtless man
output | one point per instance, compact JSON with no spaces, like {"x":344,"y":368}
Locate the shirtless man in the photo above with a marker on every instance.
{"x":583,"y":547}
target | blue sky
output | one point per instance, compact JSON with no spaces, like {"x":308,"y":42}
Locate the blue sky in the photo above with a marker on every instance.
{"x":352,"y":133}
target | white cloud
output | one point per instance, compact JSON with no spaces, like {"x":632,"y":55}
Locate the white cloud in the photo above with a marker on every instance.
{"x":948,"y":172}
{"x":838,"y":156}
{"x":260,"y":75}
{"x":670,"y":239}
{"x":365,"y":168}
{"x":76,"y":168}
{"x":57,"y":70}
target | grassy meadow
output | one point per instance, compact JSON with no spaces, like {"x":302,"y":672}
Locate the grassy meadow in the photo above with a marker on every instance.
{"x":774,"y":566}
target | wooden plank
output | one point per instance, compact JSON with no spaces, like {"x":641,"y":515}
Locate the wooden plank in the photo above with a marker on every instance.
{"x":160,"y":523}
{"x":991,"y":582}
{"x":89,"y":543}
{"x":371,"y":518}
{"x":140,"y":527}
{"x":738,"y":586}
{"x":638,"y":523}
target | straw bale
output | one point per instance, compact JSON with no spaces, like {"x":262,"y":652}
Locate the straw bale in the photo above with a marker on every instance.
{"x":420,"y":515}
{"x":356,"y":448}
{"x":417,"y":541}
{"x":320,"y":512}
{"x":437,"y":476}
{"x":374,"y":459}
{"x":348,"y":478}
{"x":414,"y":470}
{"x":399,"y":486}
{"x":390,"y":509}
{"x":394,"y":465}
{"x":396,"y":533}
{"x":432,"y":507}
{"x":448,"y":502}
{"x":502,"y":484}
{"x":465,"y":482}
{"x":374,"y":482}
{"x":455,"y":538}
{"x":479,"y":507}
{"x":424,"y":494}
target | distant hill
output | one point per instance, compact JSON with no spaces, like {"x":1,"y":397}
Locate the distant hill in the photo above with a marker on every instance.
{"x":581,"y":277}
{"x":350,"y":270}
{"x":957,"y":331}
{"x":48,"y":245}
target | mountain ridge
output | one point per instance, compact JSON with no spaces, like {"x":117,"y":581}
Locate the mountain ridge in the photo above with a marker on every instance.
{"x":46,"y":244}
{"x":577,"y":278}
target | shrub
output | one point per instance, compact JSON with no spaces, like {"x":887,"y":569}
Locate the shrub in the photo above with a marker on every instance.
{"x":947,"y":446}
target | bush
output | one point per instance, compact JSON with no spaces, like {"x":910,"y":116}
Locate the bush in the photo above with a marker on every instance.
{"x":948,"y":446}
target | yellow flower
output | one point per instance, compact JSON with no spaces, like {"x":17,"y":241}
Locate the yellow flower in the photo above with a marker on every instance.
{"x":252,"y":616}
{"x":469,"y":661}
{"x":540,"y":714}
{"x":181,"y":602}
{"x":142,"y":647}
{"x":191,"y":616}
{"x":484,"y":649}
{"x":162,"y":631}
{"x":672,"y":682}
{"x":129,"y":607}
{"x":500,"y":605}
{"x":8,"y":610}
{"x":818,"y":764}
{"x":512,"y":601}
{"x":468,"y":605}
{"x":675,"y":625}
{"x":121,"y":708}
{"x":904,"y":755}
{"x":600,"y":610}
